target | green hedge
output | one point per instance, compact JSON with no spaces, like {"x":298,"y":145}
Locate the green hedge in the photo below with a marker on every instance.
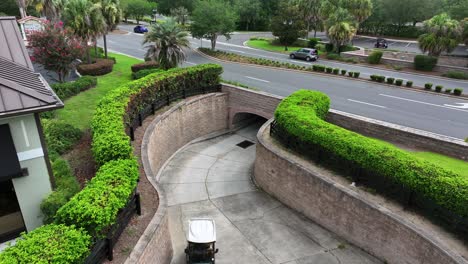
{"x":374,"y":57}
{"x":424,"y":63}
{"x":58,"y":244}
{"x":302,"y":115}
{"x":110,"y":142}
{"x":69,"y":89}
{"x":60,"y":136}
{"x":143,"y":73}
{"x":95,"y":208}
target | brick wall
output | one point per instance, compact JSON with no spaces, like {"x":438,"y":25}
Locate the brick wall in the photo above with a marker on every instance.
{"x":301,"y":185}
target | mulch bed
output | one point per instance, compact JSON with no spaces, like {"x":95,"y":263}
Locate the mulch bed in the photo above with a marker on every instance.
{"x":81,"y":159}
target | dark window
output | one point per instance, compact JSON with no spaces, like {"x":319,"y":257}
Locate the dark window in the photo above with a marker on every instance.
{"x":11,"y":219}
{"x":9,"y":163}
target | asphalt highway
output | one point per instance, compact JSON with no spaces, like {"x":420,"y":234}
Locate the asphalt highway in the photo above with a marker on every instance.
{"x":437,"y":114}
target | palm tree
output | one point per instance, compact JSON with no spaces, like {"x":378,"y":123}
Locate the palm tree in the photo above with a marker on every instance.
{"x":443,"y":34}
{"x":180,"y":14}
{"x":85,"y":20}
{"x":167,"y":44}
{"x":50,"y":8}
{"x":111,"y":11}
{"x":340,"y":34}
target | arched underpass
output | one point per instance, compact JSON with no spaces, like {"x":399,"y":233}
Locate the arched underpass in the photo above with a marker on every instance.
{"x":212,"y":178}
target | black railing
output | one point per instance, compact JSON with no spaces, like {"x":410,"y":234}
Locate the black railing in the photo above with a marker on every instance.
{"x":137,"y":120}
{"x":104,"y":247}
{"x":373,"y":182}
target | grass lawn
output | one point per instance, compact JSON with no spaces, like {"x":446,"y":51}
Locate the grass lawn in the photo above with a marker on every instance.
{"x":266,"y":45}
{"x":79,"y":109}
{"x":455,"y":165}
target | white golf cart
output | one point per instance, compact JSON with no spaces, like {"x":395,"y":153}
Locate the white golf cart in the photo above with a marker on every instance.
{"x":201,"y":241}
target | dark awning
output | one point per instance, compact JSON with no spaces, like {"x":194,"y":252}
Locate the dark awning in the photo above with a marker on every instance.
{"x":9,"y":163}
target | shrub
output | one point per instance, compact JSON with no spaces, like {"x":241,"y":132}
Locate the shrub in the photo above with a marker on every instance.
{"x":320,"y":47}
{"x":398,"y":82}
{"x":409,"y":83}
{"x":428,"y":86}
{"x":381,"y":78}
{"x":144,"y":66}
{"x":100,"y":67}
{"x":69,"y":89}
{"x":60,"y":136}
{"x":356,"y":74}
{"x":329,"y":69}
{"x":457,"y":91}
{"x":302,"y":116}
{"x":343,"y":72}
{"x":448,"y":91}
{"x":350,"y":74}
{"x":439,"y":88}
{"x":95,"y":208}
{"x":424,"y":63}
{"x":312,"y":42}
{"x":140,"y":74}
{"x":333,"y":56}
{"x":318,"y":68}
{"x":49,"y":244}
{"x":374,"y":57}
{"x":110,"y":142}
{"x":336,"y":71}
{"x":456,"y":75}
{"x":328,"y":47}
{"x":390,"y":80}
{"x":373,"y":77}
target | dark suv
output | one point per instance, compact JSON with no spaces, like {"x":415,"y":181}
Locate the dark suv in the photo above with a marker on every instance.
{"x":305,"y":54}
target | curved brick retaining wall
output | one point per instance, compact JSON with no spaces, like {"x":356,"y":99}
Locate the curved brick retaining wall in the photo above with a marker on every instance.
{"x":182,"y":123}
{"x":303,"y":186}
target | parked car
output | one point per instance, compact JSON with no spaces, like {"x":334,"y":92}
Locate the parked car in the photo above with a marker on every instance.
{"x":140,"y":29}
{"x":305,"y":54}
{"x":381,"y":43}
{"x":201,"y":241}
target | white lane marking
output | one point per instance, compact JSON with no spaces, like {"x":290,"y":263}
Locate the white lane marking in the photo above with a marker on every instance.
{"x":419,"y":102}
{"x":360,"y":102}
{"x":458,"y":105}
{"x":256,"y":79}
{"x":191,"y":63}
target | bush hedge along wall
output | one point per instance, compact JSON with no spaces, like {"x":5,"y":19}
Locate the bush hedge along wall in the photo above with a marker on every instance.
{"x":302,"y":116}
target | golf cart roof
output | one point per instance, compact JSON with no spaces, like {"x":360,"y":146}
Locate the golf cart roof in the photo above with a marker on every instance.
{"x":201,"y":230}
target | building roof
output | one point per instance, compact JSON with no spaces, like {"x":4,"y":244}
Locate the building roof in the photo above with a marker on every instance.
{"x":28,"y":18}
{"x":21,"y":89}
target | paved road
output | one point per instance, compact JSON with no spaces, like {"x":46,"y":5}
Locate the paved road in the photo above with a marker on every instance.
{"x":437,"y":114}
{"x":212,"y":179}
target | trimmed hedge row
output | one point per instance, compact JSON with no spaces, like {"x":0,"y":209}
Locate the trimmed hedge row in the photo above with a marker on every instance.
{"x":49,"y":244}
{"x":143,"y":73}
{"x":110,"y":142}
{"x":302,"y":116}
{"x":144,"y":66}
{"x":60,"y":136}
{"x":100,"y":67}
{"x":69,"y":89}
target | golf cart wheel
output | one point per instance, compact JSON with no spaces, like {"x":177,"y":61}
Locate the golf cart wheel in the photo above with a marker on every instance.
{"x":292,"y":56}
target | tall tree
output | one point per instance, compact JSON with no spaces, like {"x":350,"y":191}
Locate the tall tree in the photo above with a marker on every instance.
{"x":180,"y":14}
{"x":111,"y":13}
{"x":310,"y":11}
{"x":457,"y":9}
{"x":50,"y":8}
{"x":213,"y":18}
{"x":287,"y":24}
{"x":139,"y":8}
{"x":167,"y":42}
{"x":165,"y":6}
{"x":249,"y":13}
{"x":443,"y":34}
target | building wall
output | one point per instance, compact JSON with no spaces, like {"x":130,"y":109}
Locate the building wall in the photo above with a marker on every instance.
{"x":31,"y":189}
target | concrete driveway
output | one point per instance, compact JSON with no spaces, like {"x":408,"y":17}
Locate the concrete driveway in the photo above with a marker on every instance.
{"x":212,"y":179}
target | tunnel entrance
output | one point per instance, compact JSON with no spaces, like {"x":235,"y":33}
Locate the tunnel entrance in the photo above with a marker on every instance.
{"x":240,"y":120}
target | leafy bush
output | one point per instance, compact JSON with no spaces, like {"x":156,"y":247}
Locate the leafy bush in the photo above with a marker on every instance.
{"x":100,"y":67}
{"x":424,"y":63}
{"x":312,"y":42}
{"x":333,"y":56}
{"x":439,"y":88}
{"x":140,"y":74}
{"x":381,"y":78}
{"x":373,"y":77}
{"x":409,"y":83}
{"x":457,"y":91}
{"x":95,"y":208}
{"x":336,"y":71}
{"x":448,"y":91}
{"x":456,"y":75}
{"x":110,"y":142}
{"x":329,"y":69}
{"x":374,"y":57}
{"x":398,"y":82}
{"x":144,"y":66}
{"x":302,"y":115}
{"x":320,"y":47}
{"x":350,"y":74}
{"x":356,"y":74}
{"x":60,"y":136}
{"x":69,"y":89}
{"x":390,"y":80}
{"x":329,"y":47}
{"x":428,"y":86}
{"x":318,"y":68}
{"x":49,"y":244}
{"x":343,"y":72}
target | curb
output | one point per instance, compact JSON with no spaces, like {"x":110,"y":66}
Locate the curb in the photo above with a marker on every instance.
{"x":414,"y":88}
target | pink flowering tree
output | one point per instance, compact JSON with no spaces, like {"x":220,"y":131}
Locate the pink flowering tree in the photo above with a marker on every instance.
{"x":55,"y":48}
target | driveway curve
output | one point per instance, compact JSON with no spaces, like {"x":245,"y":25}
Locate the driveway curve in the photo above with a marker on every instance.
{"x":212,"y":179}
